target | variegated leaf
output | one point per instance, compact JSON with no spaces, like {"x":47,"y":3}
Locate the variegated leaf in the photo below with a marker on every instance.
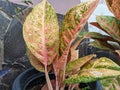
{"x":98,"y":26}
{"x":35,"y":62}
{"x":41,"y":32}
{"x":74,"y":21}
{"x":111,"y":25}
{"x":73,"y":50}
{"x":78,"y":63}
{"x":98,"y":36}
{"x":102,"y":45}
{"x":114,"y":7}
{"x":91,"y":75}
{"x":96,"y":70}
{"x":111,"y":83}
{"x":102,"y":62}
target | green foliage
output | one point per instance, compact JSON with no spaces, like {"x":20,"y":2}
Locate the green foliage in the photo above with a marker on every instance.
{"x":49,"y":48}
{"x":110,"y":25}
{"x":109,"y":42}
{"x":98,"y":69}
{"x":111,"y":83}
{"x":77,"y":64}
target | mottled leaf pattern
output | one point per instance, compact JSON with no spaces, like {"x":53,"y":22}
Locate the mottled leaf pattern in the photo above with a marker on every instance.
{"x":73,"y":50}
{"x":102,"y":62}
{"x":35,"y":62}
{"x":98,"y":69}
{"x":77,"y":64}
{"x":47,"y":48}
{"x":114,"y":7}
{"x":91,"y":75}
{"x":97,"y":36}
{"x":41,"y":33}
{"x":111,"y":83}
{"x":74,"y":21}
{"x":102,"y":45}
{"x":111,"y":25}
{"x":72,"y":24}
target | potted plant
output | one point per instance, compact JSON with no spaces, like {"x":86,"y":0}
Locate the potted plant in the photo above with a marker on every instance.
{"x":52,"y":49}
{"x":109,"y":42}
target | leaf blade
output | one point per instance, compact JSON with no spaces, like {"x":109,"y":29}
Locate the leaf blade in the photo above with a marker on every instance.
{"x":114,"y":7}
{"x":74,"y":21}
{"x":95,"y":70}
{"x":111,"y":25}
{"x":73,"y":65}
{"x":39,"y":35}
{"x":92,"y":75}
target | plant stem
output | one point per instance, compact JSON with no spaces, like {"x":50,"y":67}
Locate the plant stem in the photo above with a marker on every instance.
{"x":57,"y":84}
{"x":48,"y":79}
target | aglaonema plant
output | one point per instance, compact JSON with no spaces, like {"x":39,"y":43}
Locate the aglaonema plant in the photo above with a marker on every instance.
{"x":109,"y":42}
{"x":51,"y":48}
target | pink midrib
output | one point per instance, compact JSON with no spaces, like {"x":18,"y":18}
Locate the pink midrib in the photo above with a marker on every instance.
{"x":44,"y":51}
{"x":83,"y":19}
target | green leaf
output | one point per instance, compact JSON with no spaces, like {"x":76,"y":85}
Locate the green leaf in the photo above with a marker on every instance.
{"x":103,"y":42}
{"x":95,"y":70}
{"x":111,"y":83}
{"x":102,"y":45}
{"x":105,"y":45}
{"x":98,"y":36}
{"x":91,"y":75}
{"x":77,"y":64}
{"x":104,"y":62}
{"x":41,"y":33}
{"x":111,"y":25}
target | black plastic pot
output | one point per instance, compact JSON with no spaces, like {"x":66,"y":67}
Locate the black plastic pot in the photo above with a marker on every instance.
{"x":29,"y":78}
{"x":32,"y":77}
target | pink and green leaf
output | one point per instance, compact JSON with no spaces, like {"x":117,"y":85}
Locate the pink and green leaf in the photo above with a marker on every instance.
{"x":41,"y":33}
{"x":74,"y":21}
{"x":35,"y":62}
{"x":98,"y":69}
{"x":97,"y":36}
{"x":110,"y":83}
{"x":72,"y":24}
{"x":102,"y":62}
{"x":111,"y":25}
{"x":73,"y":50}
{"x":78,"y":63}
{"x":102,"y":45}
{"x":92,"y":75}
{"x":97,"y":25}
